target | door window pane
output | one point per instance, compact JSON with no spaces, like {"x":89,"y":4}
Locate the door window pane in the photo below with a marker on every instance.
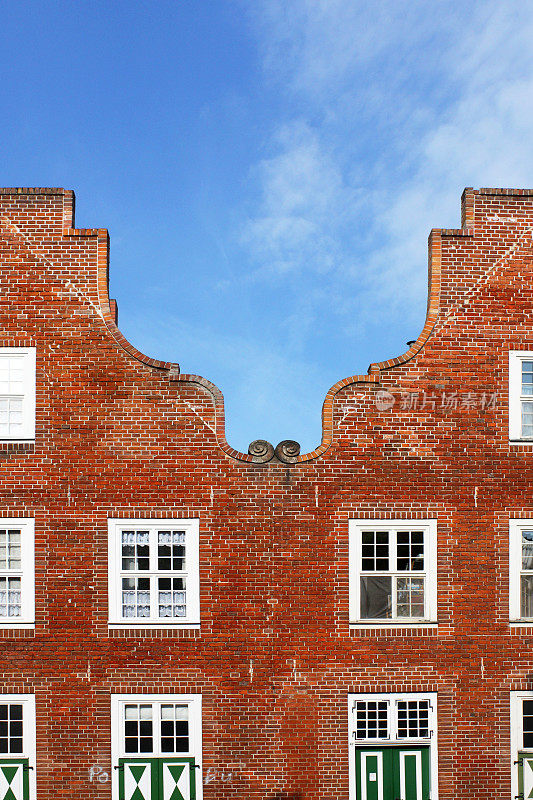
{"x":174,"y":728}
{"x":138,"y":729}
{"x":371,"y":719}
{"x":11,"y":728}
{"x":527,"y":723}
{"x":413,"y":719}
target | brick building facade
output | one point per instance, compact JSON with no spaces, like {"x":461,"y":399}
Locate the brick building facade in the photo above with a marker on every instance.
{"x":181,"y":620}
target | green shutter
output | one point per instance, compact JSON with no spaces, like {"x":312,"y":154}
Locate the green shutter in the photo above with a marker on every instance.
{"x":156,"y":779}
{"x":177,"y":779}
{"x":138,"y":779}
{"x":14,"y":779}
{"x":525,"y":775}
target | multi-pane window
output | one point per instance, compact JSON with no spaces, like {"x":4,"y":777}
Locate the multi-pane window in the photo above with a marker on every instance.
{"x":156,"y":725}
{"x":16,"y":572}
{"x":520,"y":395}
{"x":153,"y":571}
{"x":371,"y":719}
{"x":527,"y":724}
{"x":17,"y":393}
{"x":392,"y":571}
{"x":521,"y":570}
{"x":391,"y":717}
{"x":11,"y":731}
{"x":144,"y":723}
{"x":413,"y":719}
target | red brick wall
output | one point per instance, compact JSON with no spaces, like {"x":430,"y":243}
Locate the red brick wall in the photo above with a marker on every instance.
{"x":121,"y":434}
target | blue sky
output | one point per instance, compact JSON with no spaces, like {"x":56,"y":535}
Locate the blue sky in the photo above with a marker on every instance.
{"x":268,"y":170}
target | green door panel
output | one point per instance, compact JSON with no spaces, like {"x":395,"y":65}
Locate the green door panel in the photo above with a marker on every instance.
{"x":14,"y":779}
{"x":525,"y":775}
{"x":138,"y":779}
{"x":374,"y":773}
{"x":156,"y":779}
{"x":177,"y":779}
{"x":392,"y":773}
{"x":412,"y":768}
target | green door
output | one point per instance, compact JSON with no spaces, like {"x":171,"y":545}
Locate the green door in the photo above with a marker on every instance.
{"x":525,"y":775}
{"x":392,"y":773}
{"x":14,"y":779}
{"x":156,"y":779}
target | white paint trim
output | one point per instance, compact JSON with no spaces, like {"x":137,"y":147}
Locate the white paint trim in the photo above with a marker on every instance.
{"x":364,"y":757}
{"x":515,"y":391}
{"x":392,"y":624}
{"x":28,"y":397}
{"x":516,"y":526}
{"x":515,"y":701}
{"x":429,"y":526}
{"x":194,"y":701}
{"x":192,"y":547}
{"x":27,"y":573}
{"x":29,"y":734}
{"x":418,"y":758}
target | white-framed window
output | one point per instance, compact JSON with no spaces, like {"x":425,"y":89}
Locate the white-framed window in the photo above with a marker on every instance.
{"x":520,"y":395}
{"x":393,"y":571}
{"x":17,"y":393}
{"x":156,"y":743}
{"x":521,"y":744}
{"x":17,"y":571}
{"x":154,"y":572}
{"x":17,"y":746}
{"x":521,"y":570}
{"x":393,"y":742}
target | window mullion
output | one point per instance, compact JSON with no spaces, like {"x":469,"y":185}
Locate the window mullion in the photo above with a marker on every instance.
{"x":154,"y":608}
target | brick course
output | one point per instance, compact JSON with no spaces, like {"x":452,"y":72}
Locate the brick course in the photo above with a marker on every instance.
{"x":121,"y":434}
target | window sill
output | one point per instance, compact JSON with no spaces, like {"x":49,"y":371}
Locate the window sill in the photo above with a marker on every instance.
{"x":153,"y":626}
{"x":520,"y":623}
{"x":16,"y":626}
{"x":529,"y":442}
{"x":392,"y":625}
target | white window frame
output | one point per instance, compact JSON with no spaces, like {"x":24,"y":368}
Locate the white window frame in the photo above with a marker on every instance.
{"x":194,"y":702}
{"x":192,"y":537}
{"x":516,"y":526}
{"x":28,"y":394}
{"x":29,"y":749}
{"x":515,"y":394}
{"x":26,"y":573}
{"x":392,"y":698}
{"x":429,"y":526}
{"x":516,"y":699}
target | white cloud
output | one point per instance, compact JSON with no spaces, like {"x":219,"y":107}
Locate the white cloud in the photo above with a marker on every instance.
{"x":448,"y":94}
